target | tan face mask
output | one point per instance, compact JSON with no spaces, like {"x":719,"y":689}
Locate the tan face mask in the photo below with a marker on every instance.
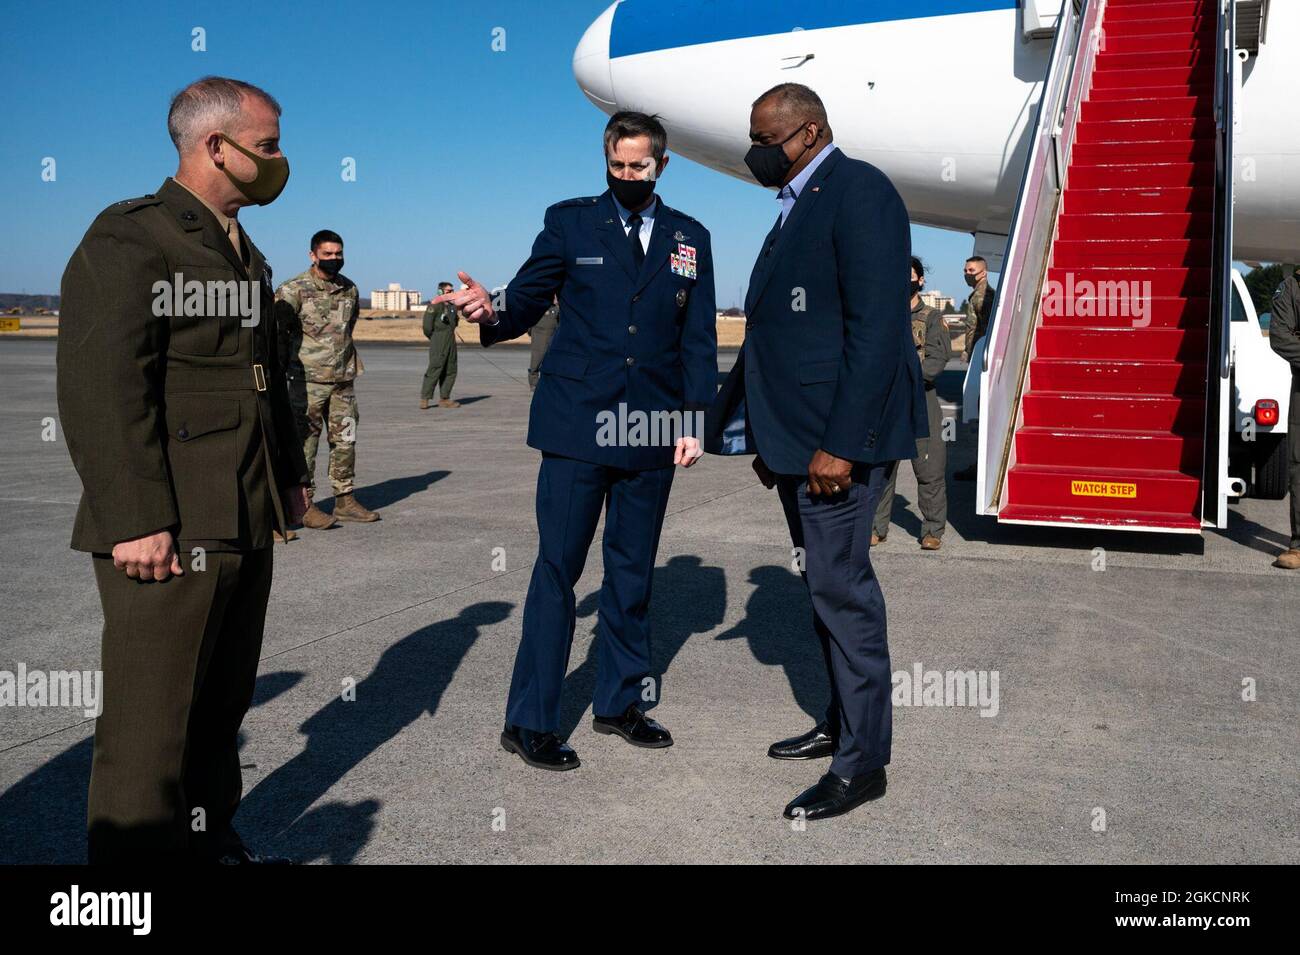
{"x":271,"y":176}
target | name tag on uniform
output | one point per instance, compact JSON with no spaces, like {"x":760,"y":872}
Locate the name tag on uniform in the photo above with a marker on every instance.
{"x":591,"y":260}
{"x":683,"y":260}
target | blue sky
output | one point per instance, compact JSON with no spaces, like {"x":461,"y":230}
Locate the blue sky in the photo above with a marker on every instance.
{"x":458,"y":149}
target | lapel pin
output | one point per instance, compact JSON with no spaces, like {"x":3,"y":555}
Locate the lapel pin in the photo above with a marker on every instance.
{"x":678,"y":237}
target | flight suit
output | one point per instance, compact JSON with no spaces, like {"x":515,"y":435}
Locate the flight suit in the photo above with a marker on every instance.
{"x":315,"y":318}
{"x":1284,"y":338}
{"x":440,"y":328}
{"x":934,"y":349}
{"x":173,"y":421}
{"x":979,"y":310}
{"x":539,"y":339}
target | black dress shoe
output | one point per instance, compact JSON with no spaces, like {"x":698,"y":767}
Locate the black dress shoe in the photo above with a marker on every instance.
{"x":835,"y":795}
{"x":242,"y":855}
{"x":814,"y":744}
{"x":543,"y":750}
{"x":635,"y":727}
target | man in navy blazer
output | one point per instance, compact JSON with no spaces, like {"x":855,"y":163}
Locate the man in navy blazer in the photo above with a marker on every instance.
{"x":621,"y":401}
{"x":826,"y":392}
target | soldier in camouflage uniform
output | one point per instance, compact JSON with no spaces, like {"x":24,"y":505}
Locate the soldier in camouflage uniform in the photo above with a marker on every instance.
{"x":979,"y":310}
{"x":934,"y":348}
{"x":315,"y":313}
{"x":440,"y":328}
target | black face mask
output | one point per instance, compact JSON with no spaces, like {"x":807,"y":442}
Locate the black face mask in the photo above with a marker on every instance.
{"x":330,"y":267}
{"x":916,"y":287}
{"x":631,"y":193}
{"x":769,"y":163}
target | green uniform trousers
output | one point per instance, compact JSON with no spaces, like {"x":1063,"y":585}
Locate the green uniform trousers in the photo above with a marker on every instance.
{"x":442,"y":363}
{"x":180,"y":662}
{"x":929,"y":466}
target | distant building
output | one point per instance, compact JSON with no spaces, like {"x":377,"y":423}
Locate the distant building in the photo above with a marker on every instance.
{"x":936,"y":299}
{"x":395,"y":298}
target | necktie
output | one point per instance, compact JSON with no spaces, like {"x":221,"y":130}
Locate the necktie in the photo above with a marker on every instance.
{"x":232,"y":233}
{"x":634,"y":236}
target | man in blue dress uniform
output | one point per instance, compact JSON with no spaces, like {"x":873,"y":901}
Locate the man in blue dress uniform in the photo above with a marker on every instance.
{"x":621,"y":400}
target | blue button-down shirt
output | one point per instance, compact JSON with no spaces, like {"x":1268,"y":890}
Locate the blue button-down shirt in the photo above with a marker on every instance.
{"x":794,"y":189}
{"x":647,"y":220}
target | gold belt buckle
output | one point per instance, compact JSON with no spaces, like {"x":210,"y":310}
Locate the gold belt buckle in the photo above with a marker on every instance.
{"x":259,"y":378}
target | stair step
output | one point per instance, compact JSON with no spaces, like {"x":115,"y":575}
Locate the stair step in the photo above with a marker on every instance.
{"x":1144,"y":130}
{"x":1064,"y":409}
{"x":1111,"y":307}
{"x":1090,"y":516}
{"x":1081,"y":201}
{"x":1125,"y":41}
{"x":1124,"y":489}
{"x":1167,"y":253}
{"x":1150,"y":75}
{"x":1181,"y":280}
{"x":1128,"y":175}
{"x":1202,"y":61}
{"x":1132,"y":152}
{"x":1167,"y":107}
{"x":1132,"y":343}
{"x":1117,"y":10}
{"x":1135,"y":225}
{"x":1097,"y":376}
{"x":1126,"y":94}
{"x":1197,"y":23}
{"x":1144,"y":450}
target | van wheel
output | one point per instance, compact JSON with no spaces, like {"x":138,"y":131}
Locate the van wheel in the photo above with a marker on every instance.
{"x":1271,"y":467}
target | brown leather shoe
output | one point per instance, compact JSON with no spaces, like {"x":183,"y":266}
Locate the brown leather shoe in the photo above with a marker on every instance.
{"x":1288,"y":560}
{"x":876,"y":539}
{"x":424,"y":404}
{"x":317,"y":519}
{"x":930,"y":542}
{"x":281,"y":538}
{"x":348,"y":508}
{"x":448,"y":403}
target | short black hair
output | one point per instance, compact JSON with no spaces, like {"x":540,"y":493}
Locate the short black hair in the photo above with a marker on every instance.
{"x":325,"y":235}
{"x":628,"y":124}
{"x":799,"y":103}
{"x":445,"y":285}
{"x":918,"y":268}
{"x":978,"y":258}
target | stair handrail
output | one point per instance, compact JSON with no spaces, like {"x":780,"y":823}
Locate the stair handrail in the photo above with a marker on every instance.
{"x":1010,"y":334}
{"x":1214,"y":470}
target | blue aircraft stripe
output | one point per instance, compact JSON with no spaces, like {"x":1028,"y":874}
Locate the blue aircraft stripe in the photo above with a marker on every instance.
{"x":642,"y":26}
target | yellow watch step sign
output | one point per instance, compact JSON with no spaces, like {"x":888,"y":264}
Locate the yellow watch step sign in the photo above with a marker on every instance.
{"x":1103,"y":489}
{"x":11,"y":324}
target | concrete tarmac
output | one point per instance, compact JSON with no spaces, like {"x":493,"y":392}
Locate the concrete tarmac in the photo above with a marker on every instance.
{"x":1119,"y":732}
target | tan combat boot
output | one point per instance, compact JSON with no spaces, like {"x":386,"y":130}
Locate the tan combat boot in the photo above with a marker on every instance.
{"x":930,"y":542}
{"x":284,"y":539}
{"x":317,"y":519}
{"x":1288,"y":560}
{"x":348,"y":508}
{"x":424,"y":404}
{"x":448,"y":403}
{"x":876,"y":539}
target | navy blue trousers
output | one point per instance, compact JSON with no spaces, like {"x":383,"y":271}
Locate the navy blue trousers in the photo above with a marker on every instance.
{"x":570,"y":496}
{"x":848,"y":611}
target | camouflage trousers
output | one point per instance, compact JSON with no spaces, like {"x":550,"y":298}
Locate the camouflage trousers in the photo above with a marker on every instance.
{"x":314,"y":404}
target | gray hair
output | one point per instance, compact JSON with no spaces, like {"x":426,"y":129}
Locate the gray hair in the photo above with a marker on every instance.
{"x":213,"y":102}
{"x":797,"y":102}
